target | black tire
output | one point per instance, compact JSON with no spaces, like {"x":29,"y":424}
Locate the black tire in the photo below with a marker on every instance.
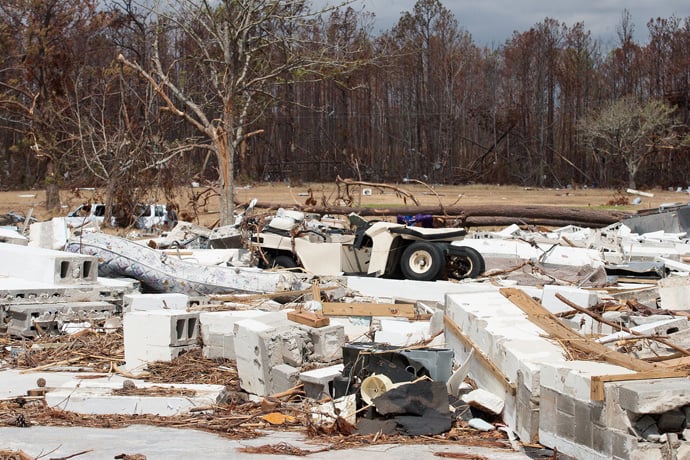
{"x":422,"y":261}
{"x":283,"y":261}
{"x":464,"y":262}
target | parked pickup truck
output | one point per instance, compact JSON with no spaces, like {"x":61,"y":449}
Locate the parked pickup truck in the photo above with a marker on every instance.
{"x":372,"y":248}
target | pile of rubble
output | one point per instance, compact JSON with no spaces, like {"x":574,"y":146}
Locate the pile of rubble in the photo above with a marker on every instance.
{"x":575,"y":340}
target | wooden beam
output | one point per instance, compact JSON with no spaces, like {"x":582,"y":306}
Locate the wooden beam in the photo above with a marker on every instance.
{"x":481,"y":357}
{"x":308,"y":318}
{"x":568,"y":337}
{"x":405,"y":310}
{"x":596,"y":390}
{"x":683,"y":361}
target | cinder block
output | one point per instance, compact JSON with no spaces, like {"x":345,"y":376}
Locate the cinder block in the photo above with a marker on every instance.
{"x":580,"y":297}
{"x":283,"y":377}
{"x":52,"y":234}
{"x":674,"y":292}
{"x":47,"y":265}
{"x":23,"y":320}
{"x":568,"y":447}
{"x":319,"y":382}
{"x":601,"y":440}
{"x":402,"y":333}
{"x":548,"y":412}
{"x":218,"y":331}
{"x":161,"y":328}
{"x":295,"y":346}
{"x":527,"y":412}
{"x":565,"y":423}
{"x":145,"y":302}
{"x":623,"y":445}
{"x":256,"y":353}
{"x":327,"y":343}
{"x":583,"y":423}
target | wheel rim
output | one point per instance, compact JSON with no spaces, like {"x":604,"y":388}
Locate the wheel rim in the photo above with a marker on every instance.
{"x":459,"y":266}
{"x":420,"y":262}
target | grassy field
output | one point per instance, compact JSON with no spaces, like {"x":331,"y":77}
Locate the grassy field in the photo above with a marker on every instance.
{"x":287,"y":195}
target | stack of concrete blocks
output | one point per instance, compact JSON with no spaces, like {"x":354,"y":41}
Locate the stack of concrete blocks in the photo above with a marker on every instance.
{"x":503,"y":333}
{"x":617,"y":427}
{"x":570,"y":421}
{"x":158,"y":335}
{"x":34,"y":319}
{"x":41,"y":282}
{"x":218,"y":331}
{"x":552,"y":404}
{"x":271,"y":349}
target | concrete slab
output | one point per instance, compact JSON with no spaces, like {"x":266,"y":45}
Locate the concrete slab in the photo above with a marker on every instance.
{"x":432,"y":291}
{"x":158,"y":443}
{"x":653,"y":396}
{"x":92,"y":397}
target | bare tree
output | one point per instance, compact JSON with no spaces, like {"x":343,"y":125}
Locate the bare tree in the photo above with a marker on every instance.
{"x":242,"y":49}
{"x":50,"y":41}
{"x":631,"y":131}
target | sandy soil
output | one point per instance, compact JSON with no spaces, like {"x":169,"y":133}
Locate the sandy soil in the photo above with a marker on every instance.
{"x":34,"y":200}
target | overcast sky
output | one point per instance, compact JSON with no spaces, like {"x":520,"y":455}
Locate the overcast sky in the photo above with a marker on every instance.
{"x":491,"y":22}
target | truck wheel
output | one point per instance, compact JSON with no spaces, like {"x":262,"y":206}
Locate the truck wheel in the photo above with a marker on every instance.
{"x":465,"y":262}
{"x":284,"y":261}
{"x":421,"y":261}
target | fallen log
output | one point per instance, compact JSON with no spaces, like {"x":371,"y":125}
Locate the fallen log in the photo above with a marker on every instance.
{"x":478,"y":215}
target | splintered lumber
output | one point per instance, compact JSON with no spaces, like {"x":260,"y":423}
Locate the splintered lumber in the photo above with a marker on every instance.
{"x":596,"y":390}
{"x":481,"y":357}
{"x":554,"y":327}
{"x":308,"y":318}
{"x":405,"y":310}
{"x":603,"y":320}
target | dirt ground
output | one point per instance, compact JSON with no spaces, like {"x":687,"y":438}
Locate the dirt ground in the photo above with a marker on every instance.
{"x":33,"y":201}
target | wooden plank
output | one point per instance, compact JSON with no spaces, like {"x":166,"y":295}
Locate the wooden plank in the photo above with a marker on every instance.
{"x":405,"y":310}
{"x":481,"y":357}
{"x":597,"y":381}
{"x":683,"y":361}
{"x":568,"y":337}
{"x":316,"y":291}
{"x":308,"y":318}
